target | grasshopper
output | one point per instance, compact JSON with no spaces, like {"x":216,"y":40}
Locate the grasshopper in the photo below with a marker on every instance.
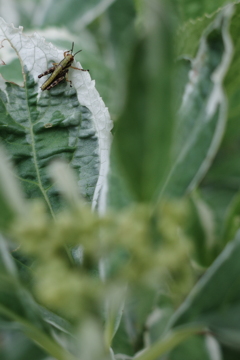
{"x":59,"y":71}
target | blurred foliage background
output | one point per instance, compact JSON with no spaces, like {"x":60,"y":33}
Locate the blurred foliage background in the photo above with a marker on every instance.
{"x":142,"y":61}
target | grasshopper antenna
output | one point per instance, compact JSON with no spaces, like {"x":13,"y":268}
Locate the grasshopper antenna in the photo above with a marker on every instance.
{"x":71,"y":50}
{"x":77,"y":52}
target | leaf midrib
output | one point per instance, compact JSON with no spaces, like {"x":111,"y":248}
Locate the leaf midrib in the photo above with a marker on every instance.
{"x":35,"y":155}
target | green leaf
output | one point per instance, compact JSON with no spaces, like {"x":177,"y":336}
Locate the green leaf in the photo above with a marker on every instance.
{"x":192,"y":349}
{"x":168,"y":342}
{"x":121,"y":18}
{"x":231,"y":220}
{"x":119,"y":195}
{"x":114,"y":306}
{"x":221,"y":201}
{"x":203,"y":113}
{"x":23,"y":347}
{"x":144,"y":130}
{"x":202,"y":230}
{"x":139,"y":303}
{"x":122,"y":343}
{"x":215,"y":300}
{"x":225,"y":174}
{"x":11,"y":199}
{"x":230,"y":354}
{"x":189,"y":35}
{"x":156,"y":323}
{"x":221,"y":184}
{"x":192,"y":9}
{"x":122,"y":15}
{"x":38,"y":127}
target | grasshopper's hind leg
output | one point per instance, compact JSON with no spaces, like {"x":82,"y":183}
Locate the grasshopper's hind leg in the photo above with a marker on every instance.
{"x":57,"y":81}
{"x":48,"y":71}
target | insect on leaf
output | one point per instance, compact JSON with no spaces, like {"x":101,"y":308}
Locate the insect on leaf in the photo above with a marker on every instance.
{"x":67,"y":123}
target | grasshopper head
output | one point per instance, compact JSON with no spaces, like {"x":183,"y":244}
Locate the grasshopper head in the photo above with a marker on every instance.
{"x":69,"y":55}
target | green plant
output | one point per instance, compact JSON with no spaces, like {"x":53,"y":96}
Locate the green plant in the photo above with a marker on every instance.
{"x":126,"y":245}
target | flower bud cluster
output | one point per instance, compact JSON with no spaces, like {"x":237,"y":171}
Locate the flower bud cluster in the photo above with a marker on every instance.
{"x":133,"y":246}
